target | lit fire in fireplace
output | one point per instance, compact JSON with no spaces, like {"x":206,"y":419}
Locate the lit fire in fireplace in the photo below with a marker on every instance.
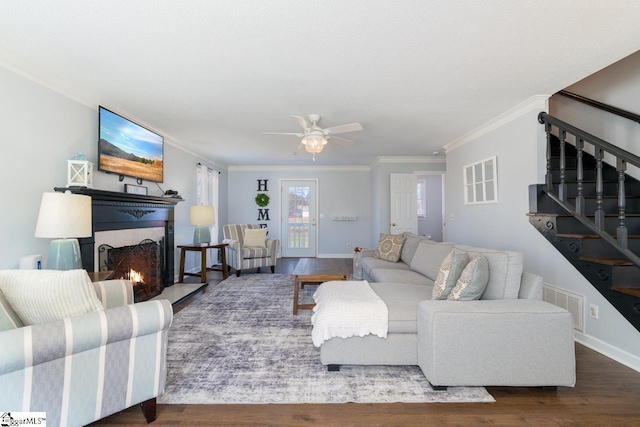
{"x":135,"y":277}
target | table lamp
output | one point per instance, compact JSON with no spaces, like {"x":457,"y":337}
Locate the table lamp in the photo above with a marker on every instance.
{"x":64,"y":217}
{"x":202,"y":217}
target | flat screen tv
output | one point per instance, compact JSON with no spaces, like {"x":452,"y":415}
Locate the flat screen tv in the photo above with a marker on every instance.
{"x":128,"y":149}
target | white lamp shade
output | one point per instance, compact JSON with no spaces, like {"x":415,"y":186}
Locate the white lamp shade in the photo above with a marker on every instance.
{"x":64,"y":215}
{"x":201,"y":215}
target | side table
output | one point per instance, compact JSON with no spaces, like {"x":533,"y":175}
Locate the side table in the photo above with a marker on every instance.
{"x":203,"y":253}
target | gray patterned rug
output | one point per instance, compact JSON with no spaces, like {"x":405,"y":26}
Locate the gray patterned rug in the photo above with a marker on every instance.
{"x":240,"y":343}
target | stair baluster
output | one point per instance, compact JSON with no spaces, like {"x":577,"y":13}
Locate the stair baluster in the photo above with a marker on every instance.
{"x":548,"y":176}
{"x":580,"y":179}
{"x":562,"y":188}
{"x":599,"y":214}
{"x":621,"y":232}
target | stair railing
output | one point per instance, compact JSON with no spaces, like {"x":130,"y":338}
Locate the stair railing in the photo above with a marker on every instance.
{"x":600,"y":147}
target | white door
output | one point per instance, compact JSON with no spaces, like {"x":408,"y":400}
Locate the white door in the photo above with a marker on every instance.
{"x":299,"y":219}
{"x":403,"y":212}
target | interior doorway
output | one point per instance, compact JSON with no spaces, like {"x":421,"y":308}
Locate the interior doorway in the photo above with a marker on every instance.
{"x":431,"y":221}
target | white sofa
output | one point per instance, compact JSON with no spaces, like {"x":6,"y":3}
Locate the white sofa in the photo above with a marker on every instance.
{"x":510,"y":337}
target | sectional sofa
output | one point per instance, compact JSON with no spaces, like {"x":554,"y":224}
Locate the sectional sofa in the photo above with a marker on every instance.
{"x":509,"y":337}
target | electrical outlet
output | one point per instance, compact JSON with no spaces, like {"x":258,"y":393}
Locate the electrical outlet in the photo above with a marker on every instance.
{"x":349,"y":245}
{"x":593,"y":311}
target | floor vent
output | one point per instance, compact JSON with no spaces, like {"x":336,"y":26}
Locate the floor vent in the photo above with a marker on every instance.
{"x":573,"y":303}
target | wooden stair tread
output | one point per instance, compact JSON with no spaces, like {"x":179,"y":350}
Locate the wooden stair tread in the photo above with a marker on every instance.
{"x":633,"y":291}
{"x":610,"y":215}
{"x":589,"y":236}
{"x":617,"y":262}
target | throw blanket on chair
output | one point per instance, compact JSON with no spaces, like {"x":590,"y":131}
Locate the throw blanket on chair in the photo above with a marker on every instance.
{"x":347,"y":308}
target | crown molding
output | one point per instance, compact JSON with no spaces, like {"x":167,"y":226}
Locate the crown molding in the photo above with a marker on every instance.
{"x":407,"y":159}
{"x":537,"y":102}
{"x":296,"y":168}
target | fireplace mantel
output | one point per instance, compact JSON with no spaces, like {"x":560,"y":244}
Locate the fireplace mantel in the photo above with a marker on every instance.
{"x":111,"y":210}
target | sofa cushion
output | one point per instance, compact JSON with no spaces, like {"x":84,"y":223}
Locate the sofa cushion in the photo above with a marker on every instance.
{"x":472,"y":281}
{"x":399,"y":276}
{"x":40,"y":296}
{"x":402,"y":301}
{"x":505,"y":271}
{"x":429,"y":256}
{"x":449,"y":273}
{"x":371,"y":263}
{"x":410,"y":245}
{"x":389,"y":247}
{"x":8,"y":318}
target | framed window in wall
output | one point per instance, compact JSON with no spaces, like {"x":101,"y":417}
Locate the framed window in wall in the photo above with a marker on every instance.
{"x":481,"y":182}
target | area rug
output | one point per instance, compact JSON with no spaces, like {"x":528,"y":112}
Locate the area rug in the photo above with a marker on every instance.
{"x":240,"y":343}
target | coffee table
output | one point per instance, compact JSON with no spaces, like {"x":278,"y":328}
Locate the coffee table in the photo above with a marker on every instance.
{"x":316,"y":271}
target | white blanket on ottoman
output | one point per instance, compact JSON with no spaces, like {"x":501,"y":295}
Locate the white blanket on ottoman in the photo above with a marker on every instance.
{"x":346,"y":309}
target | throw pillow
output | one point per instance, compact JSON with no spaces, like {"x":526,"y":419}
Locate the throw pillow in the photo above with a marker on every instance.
{"x":41,"y":296}
{"x":389,"y":247}
{"x":255,"y":237}
{"x":472,"y":282}
{"x":449,"y":273}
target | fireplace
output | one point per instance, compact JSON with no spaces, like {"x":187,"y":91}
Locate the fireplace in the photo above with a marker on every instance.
{"x":142,"y":264}
{"x":138,"y":218}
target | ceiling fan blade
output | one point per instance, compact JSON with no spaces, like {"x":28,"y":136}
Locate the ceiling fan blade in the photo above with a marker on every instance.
{"x":300,"y":135}
{"x":340,"y":141}
{"x":351,"y":127}
{"x":301,"y":121}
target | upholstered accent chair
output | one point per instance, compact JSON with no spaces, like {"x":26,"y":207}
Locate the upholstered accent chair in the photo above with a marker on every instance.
{"x":241,"y":256}
{"x":84,"y":367}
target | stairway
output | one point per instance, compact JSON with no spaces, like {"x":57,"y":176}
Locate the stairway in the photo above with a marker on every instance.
{"x":593,"y":252}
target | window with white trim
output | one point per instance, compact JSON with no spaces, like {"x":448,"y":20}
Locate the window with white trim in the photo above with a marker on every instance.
{"x":481,"y":182}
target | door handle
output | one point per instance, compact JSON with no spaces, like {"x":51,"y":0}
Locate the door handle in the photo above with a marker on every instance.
{"x":393,"y":224}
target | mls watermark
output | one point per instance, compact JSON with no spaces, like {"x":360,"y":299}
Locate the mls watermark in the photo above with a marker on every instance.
{"x":8,"y":419}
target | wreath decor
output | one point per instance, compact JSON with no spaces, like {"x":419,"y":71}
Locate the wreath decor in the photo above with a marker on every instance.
{"x":262,"y":200}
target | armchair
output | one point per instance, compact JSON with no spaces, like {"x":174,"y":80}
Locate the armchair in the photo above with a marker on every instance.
{"x":240,"y":256}
{"x":85,"y":367}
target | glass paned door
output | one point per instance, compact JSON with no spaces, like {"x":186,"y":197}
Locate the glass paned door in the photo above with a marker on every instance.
{"x":299,"y":219}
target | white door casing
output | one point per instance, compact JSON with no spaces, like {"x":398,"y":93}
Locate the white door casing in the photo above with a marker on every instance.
{"x":403,"y":215}
{"x":299,"y":218}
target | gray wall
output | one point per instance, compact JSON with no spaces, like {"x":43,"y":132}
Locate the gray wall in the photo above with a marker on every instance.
{"x":381,"y":187}
{"x":341,"y":191}
{"x":40,"y":129}
{"x":519,"y":147}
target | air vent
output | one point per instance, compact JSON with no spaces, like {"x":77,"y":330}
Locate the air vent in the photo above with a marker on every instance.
{"x":571,"y":302}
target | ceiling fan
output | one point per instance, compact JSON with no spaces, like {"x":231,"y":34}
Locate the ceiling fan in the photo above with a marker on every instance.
{"x":314,"y":138}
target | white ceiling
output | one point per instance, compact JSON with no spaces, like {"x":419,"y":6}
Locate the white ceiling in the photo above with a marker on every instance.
{"x":213,"y":75}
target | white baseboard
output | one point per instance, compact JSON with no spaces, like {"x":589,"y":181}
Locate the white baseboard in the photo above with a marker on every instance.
{"x":612,"y":352}
{"x":335,"y":255}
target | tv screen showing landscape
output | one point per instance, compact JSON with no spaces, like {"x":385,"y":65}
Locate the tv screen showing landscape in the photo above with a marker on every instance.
{"x":126,"y":148}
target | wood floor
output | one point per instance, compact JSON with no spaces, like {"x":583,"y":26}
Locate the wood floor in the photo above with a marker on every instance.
{"x":606,"y":394}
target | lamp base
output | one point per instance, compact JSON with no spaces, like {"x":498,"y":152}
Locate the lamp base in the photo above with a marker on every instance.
{"x":201,"y":235}
{"x":64,"y":254}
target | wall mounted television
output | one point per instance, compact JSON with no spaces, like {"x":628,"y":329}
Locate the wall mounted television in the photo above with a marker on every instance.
{"x":128,"y":149}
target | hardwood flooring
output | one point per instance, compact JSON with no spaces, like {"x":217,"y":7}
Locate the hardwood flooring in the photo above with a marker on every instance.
{"x":606,"y":394}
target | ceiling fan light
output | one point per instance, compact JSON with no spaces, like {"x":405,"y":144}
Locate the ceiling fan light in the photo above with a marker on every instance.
{"x":314,"y":143}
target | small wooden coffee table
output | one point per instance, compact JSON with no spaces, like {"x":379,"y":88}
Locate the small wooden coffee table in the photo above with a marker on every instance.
{"x":316,"y":271}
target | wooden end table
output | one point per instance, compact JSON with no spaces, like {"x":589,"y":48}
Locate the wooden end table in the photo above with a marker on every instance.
{"x":203,"y":253}
{"x":316,"y":271}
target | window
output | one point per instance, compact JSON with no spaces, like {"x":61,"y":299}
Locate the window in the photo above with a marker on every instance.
{"x":421,"y":198}
{"x":481,"y":182}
